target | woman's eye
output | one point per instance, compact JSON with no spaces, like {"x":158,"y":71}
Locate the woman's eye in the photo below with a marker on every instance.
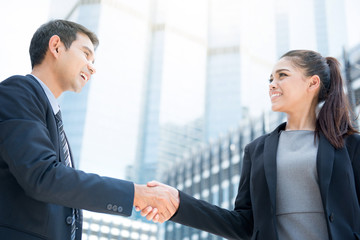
{"x":282,"y":75}
{"x":270,"y":80}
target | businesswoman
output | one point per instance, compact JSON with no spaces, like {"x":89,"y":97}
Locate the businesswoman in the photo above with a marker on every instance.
{"x":301,"y":181}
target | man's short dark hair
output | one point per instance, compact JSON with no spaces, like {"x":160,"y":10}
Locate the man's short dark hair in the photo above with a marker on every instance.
{"x":66,"y":30}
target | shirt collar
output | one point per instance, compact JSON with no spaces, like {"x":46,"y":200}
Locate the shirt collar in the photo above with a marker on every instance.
{"x":53,"y":102}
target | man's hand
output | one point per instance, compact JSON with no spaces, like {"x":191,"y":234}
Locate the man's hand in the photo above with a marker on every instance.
{"x":157,"y":201}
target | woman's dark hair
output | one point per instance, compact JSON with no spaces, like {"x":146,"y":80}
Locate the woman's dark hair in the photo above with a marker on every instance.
{"x":334,"y":117}
{"x":67,"y":32}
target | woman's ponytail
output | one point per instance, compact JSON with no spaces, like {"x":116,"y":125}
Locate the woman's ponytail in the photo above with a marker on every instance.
{"x":334,"y":117}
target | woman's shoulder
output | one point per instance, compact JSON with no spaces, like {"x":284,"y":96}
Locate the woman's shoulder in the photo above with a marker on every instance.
{"x":352,"y":144}
{"x":352,"y":141}
{"x":261,"y":139}
{"x":257,"y":145}
{"x":355,"y":137}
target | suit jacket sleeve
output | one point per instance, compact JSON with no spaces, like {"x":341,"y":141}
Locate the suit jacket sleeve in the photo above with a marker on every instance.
{"x":28,"y":151}
{"x":236,"y":224}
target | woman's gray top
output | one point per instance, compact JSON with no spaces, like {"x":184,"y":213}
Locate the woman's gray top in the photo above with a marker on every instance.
{"x":299,"y":209}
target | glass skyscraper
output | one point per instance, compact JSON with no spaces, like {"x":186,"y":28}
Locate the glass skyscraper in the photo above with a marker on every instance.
{"x":223,"y":78}
{"x":176,"y":68}
{"x":149,"y":135}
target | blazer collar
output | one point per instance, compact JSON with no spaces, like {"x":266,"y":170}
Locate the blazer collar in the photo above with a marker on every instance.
{"x":324,"y":163}
{"x":270,"y":150}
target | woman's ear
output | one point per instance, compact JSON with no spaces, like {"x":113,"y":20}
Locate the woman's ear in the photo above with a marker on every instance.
{"x":314,"y":83}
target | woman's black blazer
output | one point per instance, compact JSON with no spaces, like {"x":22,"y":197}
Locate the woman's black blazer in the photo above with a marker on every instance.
{"x":254,"y":215}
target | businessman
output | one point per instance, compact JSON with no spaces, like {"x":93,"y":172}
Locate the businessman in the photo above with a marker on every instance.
{"x":41,"y":192}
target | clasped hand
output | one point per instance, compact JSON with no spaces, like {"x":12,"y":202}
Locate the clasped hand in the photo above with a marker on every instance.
{"x":156,"y":201}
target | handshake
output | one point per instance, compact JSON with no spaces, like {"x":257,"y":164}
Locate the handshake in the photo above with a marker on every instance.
{"x":156,"y":201}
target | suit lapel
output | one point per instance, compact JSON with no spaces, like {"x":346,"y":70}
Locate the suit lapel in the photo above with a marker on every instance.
{"x":55,"y":136}
{"x":270,"y":150}
{"x":324,"y":164}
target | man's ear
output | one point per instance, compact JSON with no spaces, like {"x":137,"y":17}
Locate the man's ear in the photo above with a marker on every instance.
{"x":314,"y":83}
{"x":54,"y":44}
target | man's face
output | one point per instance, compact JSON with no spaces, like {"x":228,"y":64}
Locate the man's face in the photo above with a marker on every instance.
{"x":75,"y":64}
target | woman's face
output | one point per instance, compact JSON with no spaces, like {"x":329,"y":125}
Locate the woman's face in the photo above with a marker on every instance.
{"x":288,"y":88}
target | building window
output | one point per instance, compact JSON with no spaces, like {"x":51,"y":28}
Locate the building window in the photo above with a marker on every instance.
{"x":215,"y":194}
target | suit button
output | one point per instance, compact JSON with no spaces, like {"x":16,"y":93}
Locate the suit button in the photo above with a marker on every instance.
{"x":69,"y":220}
{"x":120,"y":209}
{"x":114,"y":208}
{"x":109,"y":206}
{"x":331,"y":217}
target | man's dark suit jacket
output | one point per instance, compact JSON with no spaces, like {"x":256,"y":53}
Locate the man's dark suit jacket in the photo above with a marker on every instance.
{"x":254,"y":215}
{"x":37,"y":189}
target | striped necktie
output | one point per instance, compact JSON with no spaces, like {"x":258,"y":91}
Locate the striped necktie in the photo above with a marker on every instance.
{"x":65,"y":148}
{"x":64,"y":143}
